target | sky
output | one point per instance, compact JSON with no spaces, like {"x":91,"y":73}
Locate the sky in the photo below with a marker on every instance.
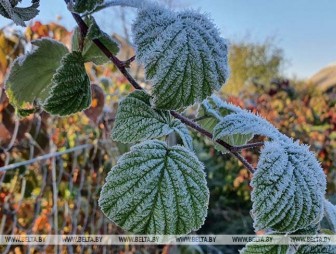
{"x":304,"y":29}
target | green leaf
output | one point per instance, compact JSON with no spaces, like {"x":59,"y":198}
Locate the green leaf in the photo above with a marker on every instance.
{"x":30,"y":76}
{"x":82,"y":6}
{"x":183,"y":55}
{"x":182,"y":130}
{"x":288,"y":188}
{"x":155,"y":189}
{"x":137,"y":121}
{"x":9,"y":10}
{"x":71,"y":91}
{"x":316,"y":249}
{"x":263,"y":249}
{"x":90,"y":52}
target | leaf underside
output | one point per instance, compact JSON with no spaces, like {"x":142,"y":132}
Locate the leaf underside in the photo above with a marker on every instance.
{"x":30,"y":75}
{"x":155,"y":189}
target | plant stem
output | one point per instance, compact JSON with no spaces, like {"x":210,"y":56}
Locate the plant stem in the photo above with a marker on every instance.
{"x":122,"y":68}
{"x":248,"y":146}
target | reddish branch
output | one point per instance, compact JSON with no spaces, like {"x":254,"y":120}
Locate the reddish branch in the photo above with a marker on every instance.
{"x":122,"y":66}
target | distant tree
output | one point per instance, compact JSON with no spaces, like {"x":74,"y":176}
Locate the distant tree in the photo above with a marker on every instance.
{"x":251,"y":62}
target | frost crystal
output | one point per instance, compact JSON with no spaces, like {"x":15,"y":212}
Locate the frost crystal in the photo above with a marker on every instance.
{"x":183,"y":54}
{"x":288,"y":188}
{"x":155,"y":189}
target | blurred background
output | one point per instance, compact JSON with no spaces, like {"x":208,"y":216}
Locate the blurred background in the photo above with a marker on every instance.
{"x":283,"y":66}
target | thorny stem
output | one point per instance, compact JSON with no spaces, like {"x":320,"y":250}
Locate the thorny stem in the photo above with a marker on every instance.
{"x":122,"y":65}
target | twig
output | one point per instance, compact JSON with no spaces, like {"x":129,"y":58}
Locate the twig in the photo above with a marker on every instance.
{"x":122,"y":68}
{"x":248,"y":146}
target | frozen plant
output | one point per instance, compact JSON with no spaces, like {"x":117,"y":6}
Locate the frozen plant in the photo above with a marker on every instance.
{"x":157,"y":188}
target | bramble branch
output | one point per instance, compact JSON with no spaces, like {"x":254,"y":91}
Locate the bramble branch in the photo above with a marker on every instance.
{"x":122,"y":67}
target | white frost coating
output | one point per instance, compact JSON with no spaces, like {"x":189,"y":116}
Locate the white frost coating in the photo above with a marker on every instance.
{"x":183,"y":54}
{"x":137,"y":121}
{"x":212,"y":111}
{"x":182,"y":130}
{"x":330,"y":214}
{"x":155,"y":189}
{"x":245,"y":123}
{"x":288,"y":188}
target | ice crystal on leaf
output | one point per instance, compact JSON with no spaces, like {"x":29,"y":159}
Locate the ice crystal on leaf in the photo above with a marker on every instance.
{"x":9,"y":10}
{"x":71,"y":90}
{"x":288,"y":188}
{"x":232,"y":124}
{"x":183,"y":54}
{"x":330,"y":214}
{"x":212,"y":111}
{"x":137,"y":121}
{"x":30,"y":75}
{"x":155,"y":189}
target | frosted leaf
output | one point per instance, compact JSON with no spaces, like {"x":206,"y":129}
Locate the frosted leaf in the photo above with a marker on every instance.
{"x":137,"y":121}
{"x":182,"y":130}
{"x":263,"y":249}
{"x":288,"y":188}
{"x":245,"y":123}
{"x":316,"y":249}
{"x":330,"y":214}
{"x":71,"y":90}
{"x":30,"y":76}
{"x":90,"y":52}
{"x":212,"y":111}
{"x":155,"y":189}
{"x":183,"y":54}
{"x":9,"y":10}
